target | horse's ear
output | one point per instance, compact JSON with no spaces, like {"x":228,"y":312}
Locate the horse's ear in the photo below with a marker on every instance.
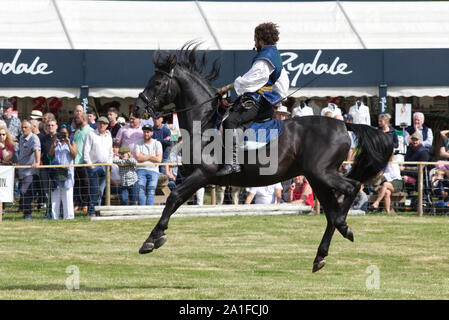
{"x":173,"y":62}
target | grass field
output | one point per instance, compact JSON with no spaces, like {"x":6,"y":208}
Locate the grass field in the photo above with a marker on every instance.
{"x":266,"y":257}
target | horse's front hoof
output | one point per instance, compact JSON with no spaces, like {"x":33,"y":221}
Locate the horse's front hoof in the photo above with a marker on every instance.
{"x":318,"y":265}
{"x":146,"y":247}
{"x":349,"y":235}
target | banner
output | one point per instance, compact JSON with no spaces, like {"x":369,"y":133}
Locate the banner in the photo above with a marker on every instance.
{"x":6,"y":184}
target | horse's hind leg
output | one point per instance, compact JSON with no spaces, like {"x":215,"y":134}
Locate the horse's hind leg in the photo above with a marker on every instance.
{"x":330,"y":205}
{"x":176,"y":198}
{"x":349,"y":188}
{"x":340,"y":219}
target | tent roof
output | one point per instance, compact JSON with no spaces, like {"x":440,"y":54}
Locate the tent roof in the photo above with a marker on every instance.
{"x":65,"y":24}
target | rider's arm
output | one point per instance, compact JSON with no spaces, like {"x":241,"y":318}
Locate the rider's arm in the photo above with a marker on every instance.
{"x":254,"y":79}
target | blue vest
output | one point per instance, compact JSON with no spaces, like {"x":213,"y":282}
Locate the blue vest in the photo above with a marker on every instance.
{"x":411,"y":130}
{"x":273,"y":57}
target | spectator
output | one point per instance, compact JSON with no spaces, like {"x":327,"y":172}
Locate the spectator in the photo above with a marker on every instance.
{"x":37,"y":115}
{"x":444,"y":152}
{"x":301,"y":109}
{"x":426,"y":134}
{"x":440,"y":183}
{"x":29,"y":154}
{"x":148,"y":151}
{"x":385,"y":126}
{"x":265,"y":195}
{"x":174,"y":156}
{"x":333,"y":108}
{"x":281,"y":113}
{"x":329,"y":114}
{"x":128,"y":177}
{"x":130,"y":134}
{"x":360,"y":201}
{"x":14,"y":126}
{"x":81,"y":175}
{"x":392,"y":183}
{"x":62,"y":151}
{"x":45,"y":118}
{"x":115,"y":172}
{"x":235,"y":193}
{"x":113,"y":126}
{"x":78,"y":111}
{"x":416,"y":151}
{"x":91,"y":115}
{"x":301,"y":192}
{"x":97,"y":149}
{"x":6,"y":146}
{"x":35,"y":125}
{"x":51,"y":127}
{"x":162,"y":134}
{"x":360,"y":113}
{"x":348,"y":118}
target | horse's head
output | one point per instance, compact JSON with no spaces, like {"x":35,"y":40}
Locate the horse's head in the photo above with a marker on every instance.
{"x":161,"y":89}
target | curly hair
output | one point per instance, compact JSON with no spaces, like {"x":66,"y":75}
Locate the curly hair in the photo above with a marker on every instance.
{"x":267,"y":32}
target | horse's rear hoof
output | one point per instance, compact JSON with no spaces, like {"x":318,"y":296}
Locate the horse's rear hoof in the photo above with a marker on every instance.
{"x":146,"y":247}
{"x":349,"y":235}
{"x":160,"y":242}
{"x":318,"y":265}
{"x":149,"y":245}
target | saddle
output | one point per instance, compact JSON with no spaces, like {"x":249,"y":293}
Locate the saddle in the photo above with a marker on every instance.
{"x":262,"y":126}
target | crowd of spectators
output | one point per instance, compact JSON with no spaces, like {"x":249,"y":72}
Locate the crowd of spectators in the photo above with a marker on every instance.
{"x":40,"y":139}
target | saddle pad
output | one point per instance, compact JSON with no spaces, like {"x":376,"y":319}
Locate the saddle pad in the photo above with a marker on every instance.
{"x":259,"y":134}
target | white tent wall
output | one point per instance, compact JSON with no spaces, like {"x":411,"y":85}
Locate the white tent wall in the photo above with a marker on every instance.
{"x":226,"y":25}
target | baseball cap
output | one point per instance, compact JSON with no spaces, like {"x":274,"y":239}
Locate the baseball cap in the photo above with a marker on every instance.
{"x":103,"y":119}
{"x":157,"y":115}
{"x":147,"y":127}
{"x":347,"y":117}
{"x":415,"y":136}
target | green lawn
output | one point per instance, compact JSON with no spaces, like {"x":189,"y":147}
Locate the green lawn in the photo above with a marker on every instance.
{"x":266,"y":257}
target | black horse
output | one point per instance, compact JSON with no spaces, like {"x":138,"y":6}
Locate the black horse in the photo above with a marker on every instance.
{"x":312,"y":146}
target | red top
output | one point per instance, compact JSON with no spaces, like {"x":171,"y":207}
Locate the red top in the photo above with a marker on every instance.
{"x":298,"y":193}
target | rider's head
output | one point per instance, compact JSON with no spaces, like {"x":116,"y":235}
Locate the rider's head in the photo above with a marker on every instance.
{"x":266,"y":34}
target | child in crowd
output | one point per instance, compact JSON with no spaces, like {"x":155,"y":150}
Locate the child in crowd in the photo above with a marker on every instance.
{"x":128,"y":176}
{"x":300,"y":192}
{"x":440,"y":182}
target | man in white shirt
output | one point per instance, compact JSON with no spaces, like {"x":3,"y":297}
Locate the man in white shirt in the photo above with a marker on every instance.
{"x":360,"y":113}
{"x":333,"y":108}
{"x":262,"y":87}
{"x":97,"y":149}
{"x":147,"y":151}
{"x":265,"y":195}
{"x":302,"y":110}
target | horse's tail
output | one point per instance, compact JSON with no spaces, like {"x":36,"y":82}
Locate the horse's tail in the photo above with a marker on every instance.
{"x":373,"y":151}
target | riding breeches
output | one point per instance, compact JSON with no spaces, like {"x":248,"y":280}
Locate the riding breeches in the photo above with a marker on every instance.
{"x":240,"y":115}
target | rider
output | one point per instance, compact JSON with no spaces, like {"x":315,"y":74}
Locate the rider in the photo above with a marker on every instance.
{"x":262,"y":87}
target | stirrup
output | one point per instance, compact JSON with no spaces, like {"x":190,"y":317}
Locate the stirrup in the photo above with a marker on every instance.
{"x":228,"y":169}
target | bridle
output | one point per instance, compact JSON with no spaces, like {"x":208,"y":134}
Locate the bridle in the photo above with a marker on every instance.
{"x":148,"y":101}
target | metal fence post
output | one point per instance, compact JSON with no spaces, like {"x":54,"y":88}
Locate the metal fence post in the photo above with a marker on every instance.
{"x":108,"y":185}
{"x":420,"y":189}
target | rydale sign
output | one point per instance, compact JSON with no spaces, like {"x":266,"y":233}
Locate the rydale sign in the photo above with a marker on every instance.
{"x":305,"y":68}
{"x":18,"y":68}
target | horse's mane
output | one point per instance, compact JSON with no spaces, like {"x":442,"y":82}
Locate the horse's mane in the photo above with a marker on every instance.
{"x":188,"y":57}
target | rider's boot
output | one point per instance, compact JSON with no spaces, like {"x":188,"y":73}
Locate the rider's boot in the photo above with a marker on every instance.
{"x":234,"y":167}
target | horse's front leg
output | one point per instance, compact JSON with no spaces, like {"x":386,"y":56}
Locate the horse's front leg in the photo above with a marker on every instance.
{"x":176,"y":198}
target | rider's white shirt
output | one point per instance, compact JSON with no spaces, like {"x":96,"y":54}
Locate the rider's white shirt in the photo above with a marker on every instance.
{"x":257,"y":77}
